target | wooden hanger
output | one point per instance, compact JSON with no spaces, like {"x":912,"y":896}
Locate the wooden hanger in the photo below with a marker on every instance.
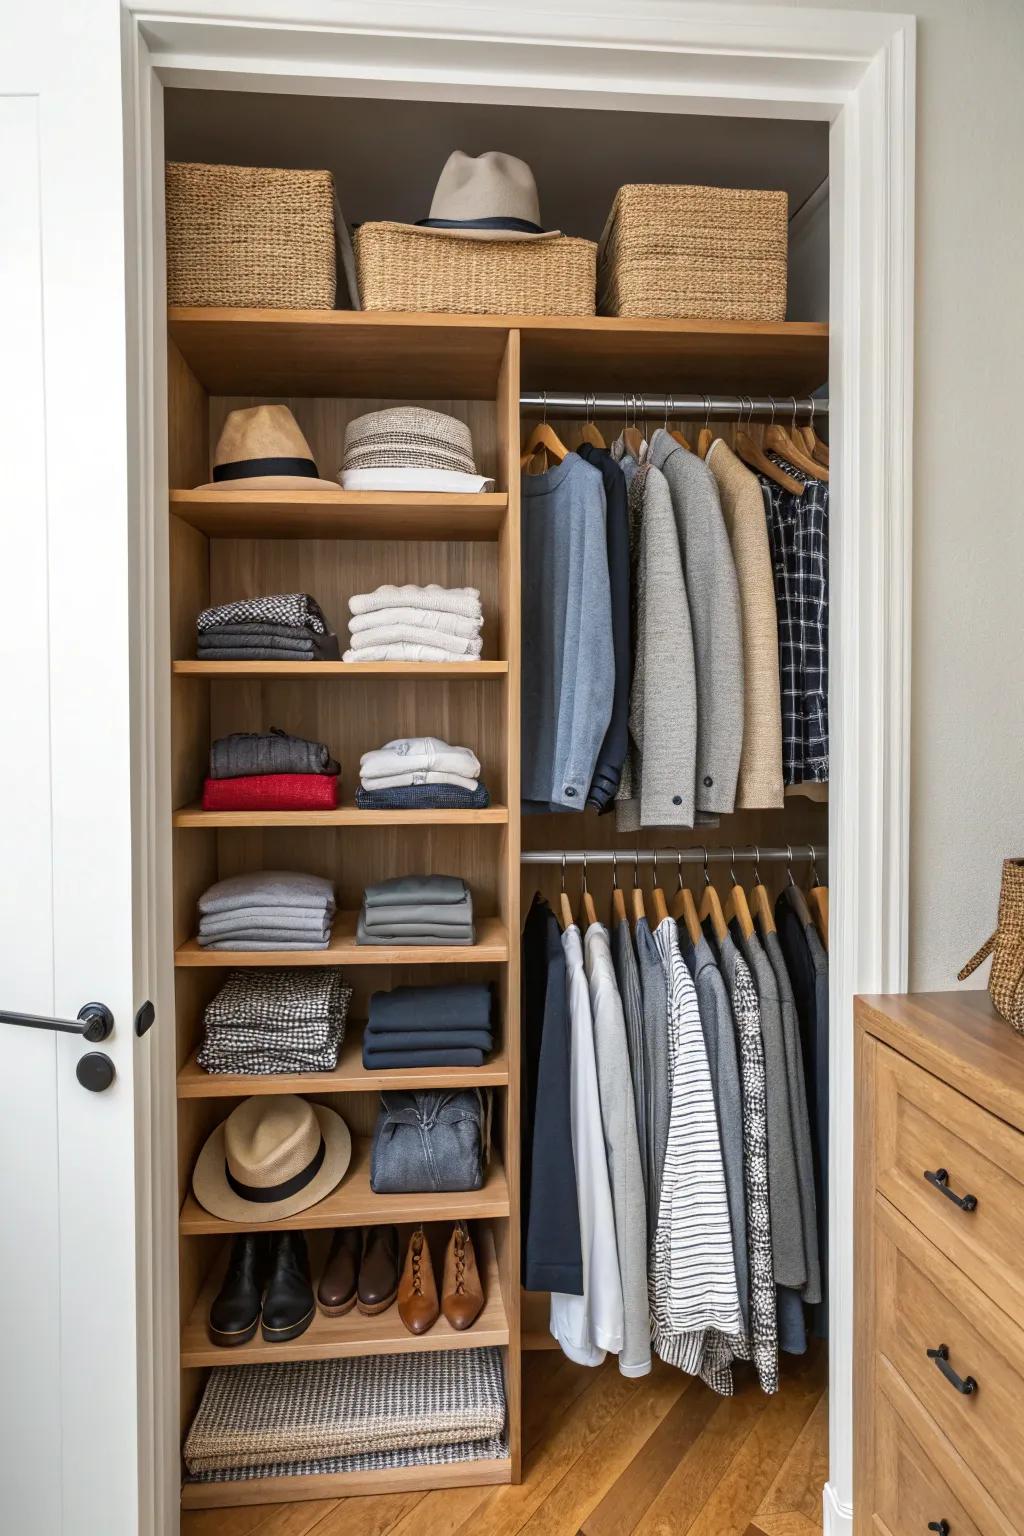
{"x":659,"y":905}
{"x":755,"y":458}
{"x":589,"y":910}
{"x":789,"y":446}
{"x":705,"y":437}
{"x":674,"y":432}
{"x":684,"y":909}
{"x":636,"y":895}
{"x":817,"y":901}
{"x":633,"y":439}
{"x":794,"y":894}
{"x":589,"y":432}
{"x":815,"y":446}
{"x":618,"y":899}
{"x":736,"y":903}
{"x":542,"y":439}
{"x":564,"y":904}
{"x":711,"y":907}
{"x":760,"y":901}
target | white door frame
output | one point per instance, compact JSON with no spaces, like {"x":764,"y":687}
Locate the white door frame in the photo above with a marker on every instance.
{"x":854,"y":70}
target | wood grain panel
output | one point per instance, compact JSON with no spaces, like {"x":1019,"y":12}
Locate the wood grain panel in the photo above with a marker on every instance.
{"x":342,"y":515}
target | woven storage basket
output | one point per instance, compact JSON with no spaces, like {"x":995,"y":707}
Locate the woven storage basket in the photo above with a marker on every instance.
{"x":694,"y":253}
{"x":402,"y":270}
{"x":250,"y":238}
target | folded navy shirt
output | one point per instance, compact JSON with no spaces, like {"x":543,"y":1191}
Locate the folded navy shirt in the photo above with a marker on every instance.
{"x":462,"y":1005}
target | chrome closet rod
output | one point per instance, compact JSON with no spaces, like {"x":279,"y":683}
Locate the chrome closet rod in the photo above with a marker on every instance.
{"x":649,"y":407}
{"x":797,"y":853}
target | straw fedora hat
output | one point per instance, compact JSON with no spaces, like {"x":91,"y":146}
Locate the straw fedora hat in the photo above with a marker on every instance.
{"x":491,"y":197}
{"x":263,"y":449}
{"x":271,"y":1157}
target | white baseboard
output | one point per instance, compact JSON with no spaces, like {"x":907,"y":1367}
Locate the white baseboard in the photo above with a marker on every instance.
{"x":838,"y":1514}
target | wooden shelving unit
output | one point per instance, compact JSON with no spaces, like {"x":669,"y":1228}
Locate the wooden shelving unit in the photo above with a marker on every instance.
{"x":332,"y":366}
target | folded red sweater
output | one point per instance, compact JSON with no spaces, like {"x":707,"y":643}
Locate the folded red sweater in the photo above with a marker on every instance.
{"x":272,"y":792}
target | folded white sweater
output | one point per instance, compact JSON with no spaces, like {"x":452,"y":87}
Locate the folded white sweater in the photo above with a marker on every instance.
{"x":455,"y":646}
{"x":401,"y":650}
{"x":429,"y":620}
{"x":464,"y":600}
{"x":420,"y":776}
{"x":407,"y":754}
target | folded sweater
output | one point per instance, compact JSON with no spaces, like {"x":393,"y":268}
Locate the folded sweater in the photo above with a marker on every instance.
{"x":272,"y":792}
{"x":401,"y":890}
{"x":404,"y":651}
{"x":460,"y":1005}
{"x":464,"y":600}
{"x":421,"y":777}
{"x":245,"y":753}
{"x":429,"y":620}
{"x":411,"y":753}
{"x":380,"y":1061}
{"x":457,"y":646}
{"x":268,"y":888}
{"x":280,"y":608}
{"x":428,"y":1040}
{"x":412,"y":934}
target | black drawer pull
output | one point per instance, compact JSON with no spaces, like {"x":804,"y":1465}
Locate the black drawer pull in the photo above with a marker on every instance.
{"x":942,"y":1526}
{"x":964,"y":1384}
{"x":940,"y":1179}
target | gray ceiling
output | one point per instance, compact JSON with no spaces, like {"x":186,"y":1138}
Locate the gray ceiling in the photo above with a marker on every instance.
{"x":386,"y":155}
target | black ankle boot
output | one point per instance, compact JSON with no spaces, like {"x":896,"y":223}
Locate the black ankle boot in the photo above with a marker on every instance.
{"x":235,"y":1312}
{"x":288,"y":1304}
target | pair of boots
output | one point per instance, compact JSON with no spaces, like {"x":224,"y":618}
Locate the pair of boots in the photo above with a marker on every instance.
{"x":361,"y":1271}
{"x":267,"y":1285}
{"x":461,"y":1291}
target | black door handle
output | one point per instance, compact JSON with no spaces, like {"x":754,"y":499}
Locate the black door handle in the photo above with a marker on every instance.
{"x":964,"y":1384}
{"x":940,"y":1180}
{"x":94,"y":1023}
{"x":942,"y":1526}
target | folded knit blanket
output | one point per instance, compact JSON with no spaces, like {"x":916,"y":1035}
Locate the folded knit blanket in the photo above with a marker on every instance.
{"x":423,"y":797}
{"x":461,"y":1005}
{"x":421,"y":776}
{"x":410,"y":754}
{"x":494,"y":1448}
{"x":245,"y":753}
{"x":404,"y":651}
{"x":429,"y":620}
{"x":386,"y":1061}
{"x":464,"y":600}
{"x":268,"y":888}
{"x":279,"y":608}
{"x":456,"y":646}
{"x":272,"y":792}
{"x":400,"y":890}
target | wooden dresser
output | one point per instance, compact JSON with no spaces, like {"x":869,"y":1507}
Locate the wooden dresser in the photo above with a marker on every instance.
{"x":939,"y":1241}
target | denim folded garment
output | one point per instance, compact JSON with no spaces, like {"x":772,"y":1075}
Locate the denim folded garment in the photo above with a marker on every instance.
{"x":461,"y":1005}
{"x":423,"y":797}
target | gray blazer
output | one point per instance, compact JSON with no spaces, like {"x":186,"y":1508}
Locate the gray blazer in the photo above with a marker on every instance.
{"x":657,"y":787}
{"x":713,"y":596}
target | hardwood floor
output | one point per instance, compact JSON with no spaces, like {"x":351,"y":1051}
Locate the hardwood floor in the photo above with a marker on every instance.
{"x":662,"y":1456}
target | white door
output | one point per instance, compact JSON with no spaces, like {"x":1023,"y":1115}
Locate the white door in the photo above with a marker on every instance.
{"x":69,"y":1432}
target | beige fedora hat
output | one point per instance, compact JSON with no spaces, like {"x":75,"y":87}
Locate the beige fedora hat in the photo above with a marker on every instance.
{"x":262,"y":449}
{"x":271,"y":1157}
{"x":490,"y":197}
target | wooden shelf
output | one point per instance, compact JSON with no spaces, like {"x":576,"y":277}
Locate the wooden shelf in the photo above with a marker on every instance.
{"x":283,"y":1490}
{"x":408,"y":356}
{"x":491,"y":947}
{"x":334,"y":1338}
{"x":343,"y":816}
{"x":354,"y":1204}
{"x":350,"y":1076}
{"x":341,"y":515}
{"x":320,"y":669}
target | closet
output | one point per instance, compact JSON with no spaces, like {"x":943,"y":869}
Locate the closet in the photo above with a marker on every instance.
{"x":500,"y":375}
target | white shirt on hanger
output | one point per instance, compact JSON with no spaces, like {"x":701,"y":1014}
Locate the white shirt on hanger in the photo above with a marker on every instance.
{"x":589,"y":1325}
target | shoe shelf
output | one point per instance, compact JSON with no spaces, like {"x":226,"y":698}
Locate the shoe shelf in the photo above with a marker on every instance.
{"x":350,"y":1076}
{"x":341,"y":1485}
{"x":311,"y":670}
{"x":343,"y":816}
{"x":342,"y":514}
{"x":492,"y":946}
{"x":353,"y":1203}
{"x":333,"y":1338}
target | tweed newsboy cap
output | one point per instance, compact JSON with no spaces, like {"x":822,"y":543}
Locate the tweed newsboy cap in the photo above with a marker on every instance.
{"x":409,"y":435}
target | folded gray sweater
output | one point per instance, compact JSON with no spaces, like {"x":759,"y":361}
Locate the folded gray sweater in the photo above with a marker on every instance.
{"x":245,"y":753}
{"x":413,"y":933}
{"x":425,"y":890}
{"x":291,"y":920}
{"x":456,"y":915}
{"x":268,"y":888}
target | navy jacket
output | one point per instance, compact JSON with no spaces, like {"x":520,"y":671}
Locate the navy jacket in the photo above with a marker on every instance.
{"x":608,"y":770}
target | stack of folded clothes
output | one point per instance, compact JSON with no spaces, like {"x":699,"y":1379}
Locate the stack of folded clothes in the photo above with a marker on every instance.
{"x":417,"y":909}
{"x":287,"y":627}
{"x":447,"y":1026}
{"x":415,"y":624}
{"x":270,"y":772}
{"x":420,"y":773}
{"x":262,"y":1022}
{"x":271,"y":909}
{"x":374,"y":1413}
{"x":410,"y":448}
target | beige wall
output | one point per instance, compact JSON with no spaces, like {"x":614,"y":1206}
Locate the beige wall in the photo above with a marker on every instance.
{"x":967,"y":792}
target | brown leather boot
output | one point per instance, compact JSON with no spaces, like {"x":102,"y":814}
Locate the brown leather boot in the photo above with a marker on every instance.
{"x":378,"y":1272}
{"x":336,"y":1293}
{"x":417,"y":1293}
{"x":462,"y":1295}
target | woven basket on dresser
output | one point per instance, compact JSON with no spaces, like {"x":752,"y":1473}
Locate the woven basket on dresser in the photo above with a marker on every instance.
{"x":400,"y":269}
{"x":694,"y":253}
{"x":249,"y":237}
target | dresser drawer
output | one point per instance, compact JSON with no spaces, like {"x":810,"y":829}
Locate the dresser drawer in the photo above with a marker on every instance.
{"x":911,"y":1494}
{"x":924,"y":1127}
{"x":923,"y":1302}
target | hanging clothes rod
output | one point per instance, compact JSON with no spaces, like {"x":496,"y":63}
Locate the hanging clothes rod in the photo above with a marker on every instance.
{"x":632,"y":405}
{"x":799,"y":853}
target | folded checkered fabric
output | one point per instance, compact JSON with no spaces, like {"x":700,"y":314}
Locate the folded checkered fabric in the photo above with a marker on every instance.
{"x":423,"y":797}
{"x":495,"y":1448}
{"x":280,"y":608}
{"x":300,"y":1411}
{"x":276,"y":1021}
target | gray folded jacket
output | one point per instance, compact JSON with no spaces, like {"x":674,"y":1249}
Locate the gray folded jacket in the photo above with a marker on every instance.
{"x":459,"y":915}
{"x":245,"y":753}
{"x":407,"y":933}
{"x":269,"y":888}
{"x":428,"y":890}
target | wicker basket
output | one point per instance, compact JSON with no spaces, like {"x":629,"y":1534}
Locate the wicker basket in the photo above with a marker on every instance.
{"x":251,"y":238}
{"x":694,"y":253}
{"x":402,"y":270}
